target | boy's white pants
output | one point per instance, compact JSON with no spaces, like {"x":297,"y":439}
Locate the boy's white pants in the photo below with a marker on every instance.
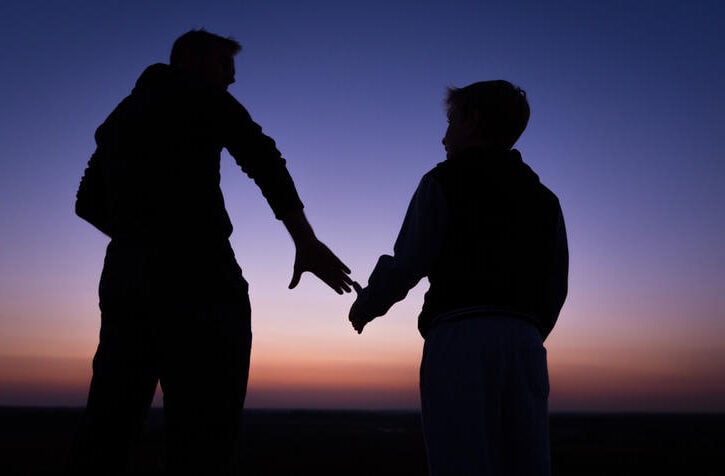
{"x":484,"y":390}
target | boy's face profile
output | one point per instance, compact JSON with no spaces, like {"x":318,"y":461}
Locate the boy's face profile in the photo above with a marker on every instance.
{"x":462,"y":132}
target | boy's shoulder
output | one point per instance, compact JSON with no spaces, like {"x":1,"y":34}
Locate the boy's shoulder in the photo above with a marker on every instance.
{"x":454,"y":168}
{"x":440,"y":168}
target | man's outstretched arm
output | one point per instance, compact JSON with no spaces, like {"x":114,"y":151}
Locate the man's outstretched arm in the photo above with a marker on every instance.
{"x":314,"y":256}
{"x":257,"y":155}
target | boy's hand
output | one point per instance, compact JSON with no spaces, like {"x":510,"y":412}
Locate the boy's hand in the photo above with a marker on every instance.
{"x":356,"y":316}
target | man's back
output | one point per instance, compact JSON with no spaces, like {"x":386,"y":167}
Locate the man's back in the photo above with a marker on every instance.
{"x":157,"y":161}
{"x":155,"y":172}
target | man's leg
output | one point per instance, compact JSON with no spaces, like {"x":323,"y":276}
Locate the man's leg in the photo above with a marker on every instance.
{"x":204,"y":379}
{"x":121,"y":391}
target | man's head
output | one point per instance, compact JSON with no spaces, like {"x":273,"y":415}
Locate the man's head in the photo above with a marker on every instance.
{"x":209,"y":56}
{"x":488,"y":114}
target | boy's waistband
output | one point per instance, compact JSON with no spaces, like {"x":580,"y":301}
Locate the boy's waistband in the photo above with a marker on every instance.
{"x":474,"y":312}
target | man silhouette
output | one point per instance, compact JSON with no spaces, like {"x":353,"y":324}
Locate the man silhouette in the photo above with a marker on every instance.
{"x":174,"y":304}
{"x":491,"y":240}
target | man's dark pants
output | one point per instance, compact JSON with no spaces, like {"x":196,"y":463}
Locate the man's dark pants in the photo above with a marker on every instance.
{"x":178,"y":315}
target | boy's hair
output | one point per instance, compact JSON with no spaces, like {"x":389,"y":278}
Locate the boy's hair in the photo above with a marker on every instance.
{"x":196,"y":44}
{"x":501,"y":106}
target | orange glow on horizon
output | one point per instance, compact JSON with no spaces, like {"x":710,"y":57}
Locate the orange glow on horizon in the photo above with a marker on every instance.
{"x":631,"y":378}
{"x":583,"y":378}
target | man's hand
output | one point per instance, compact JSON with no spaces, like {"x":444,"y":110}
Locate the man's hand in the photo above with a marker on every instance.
{"x":315,"y":257}
{"x":312,"y":255}
{"x":356,"y":317}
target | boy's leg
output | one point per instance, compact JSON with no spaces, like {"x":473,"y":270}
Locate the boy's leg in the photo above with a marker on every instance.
{"x":460,"y":400}
{"x":526,"y":432}
{"x":484,"y":393}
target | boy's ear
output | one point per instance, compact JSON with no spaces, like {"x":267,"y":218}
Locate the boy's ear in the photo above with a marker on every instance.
{"x":474,"y":123}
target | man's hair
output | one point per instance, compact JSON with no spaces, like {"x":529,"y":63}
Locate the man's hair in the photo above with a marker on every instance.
{"x":196,"y":44}
{"x":501,"y":106}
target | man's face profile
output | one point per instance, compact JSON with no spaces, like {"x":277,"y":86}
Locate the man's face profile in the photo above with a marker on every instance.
{"x":219,"y":70}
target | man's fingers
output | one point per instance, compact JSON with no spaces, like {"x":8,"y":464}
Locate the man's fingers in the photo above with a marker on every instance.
{"x":339,"y":286}
{"x":345,"y":282}
{"x":296,"y":275}
{"x":323,"y":263}
{"x":337,"y":262}
{"x":337,"y":280}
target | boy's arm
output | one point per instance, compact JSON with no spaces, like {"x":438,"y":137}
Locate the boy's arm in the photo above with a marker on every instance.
{"x":418,"y":246}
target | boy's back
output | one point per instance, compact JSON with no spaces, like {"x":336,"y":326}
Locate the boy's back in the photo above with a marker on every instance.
{"x":505,"y":245}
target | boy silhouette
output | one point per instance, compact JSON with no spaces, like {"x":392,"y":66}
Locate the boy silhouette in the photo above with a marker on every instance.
{"x":492,"y":242}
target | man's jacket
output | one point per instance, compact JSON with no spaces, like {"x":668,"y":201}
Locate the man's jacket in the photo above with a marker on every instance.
{"x":155,"y":171}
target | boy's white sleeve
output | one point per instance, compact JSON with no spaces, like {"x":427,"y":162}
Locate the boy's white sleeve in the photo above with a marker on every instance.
{"x":419,"y":244}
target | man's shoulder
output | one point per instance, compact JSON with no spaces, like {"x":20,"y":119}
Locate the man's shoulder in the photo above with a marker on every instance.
{"x":161,"y":79}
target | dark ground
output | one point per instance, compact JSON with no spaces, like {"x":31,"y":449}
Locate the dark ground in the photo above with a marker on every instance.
{"x":35,"y":441}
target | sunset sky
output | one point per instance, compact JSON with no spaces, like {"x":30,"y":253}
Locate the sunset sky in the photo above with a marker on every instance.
{"x":627,"y":128}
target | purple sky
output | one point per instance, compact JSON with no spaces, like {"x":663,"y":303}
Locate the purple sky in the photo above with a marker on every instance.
{"x":627,"y":128}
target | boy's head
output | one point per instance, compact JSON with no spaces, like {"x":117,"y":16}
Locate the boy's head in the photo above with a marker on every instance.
{"x":206,"y":55}
{"x":489,"y":114}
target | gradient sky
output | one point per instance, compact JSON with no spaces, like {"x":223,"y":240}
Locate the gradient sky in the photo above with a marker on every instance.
{"x":627,"y":128}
